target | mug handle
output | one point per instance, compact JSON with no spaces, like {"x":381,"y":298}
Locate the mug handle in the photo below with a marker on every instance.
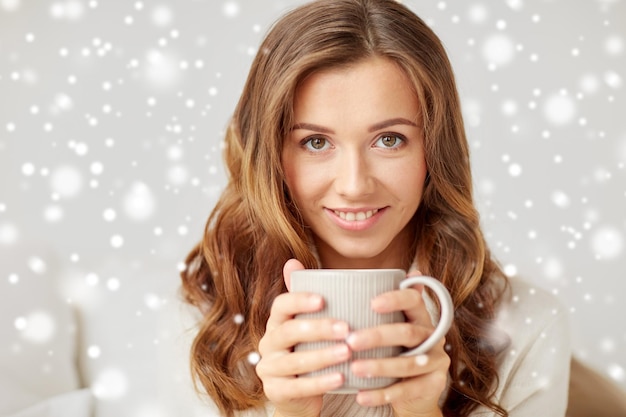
{"x":445,"y":319}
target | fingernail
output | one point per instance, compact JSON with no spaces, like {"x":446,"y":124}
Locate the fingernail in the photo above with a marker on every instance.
{"x":350,"y":339}
{"x":334,"y":380}
{"x":315,"y":300}
{"x":364,"y":398}
{"x":421,"y":360}
{"x":359,"y":369}
{"x":341,"y":351}
{"x":341,"y":330}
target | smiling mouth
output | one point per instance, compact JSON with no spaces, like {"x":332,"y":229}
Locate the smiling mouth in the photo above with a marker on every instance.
{"x":351,"y":216}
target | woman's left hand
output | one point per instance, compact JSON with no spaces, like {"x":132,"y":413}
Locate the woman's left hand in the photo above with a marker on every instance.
{"x":423,"y":377}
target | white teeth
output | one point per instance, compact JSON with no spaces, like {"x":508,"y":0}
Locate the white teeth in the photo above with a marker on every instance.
{"x":358,"y":216}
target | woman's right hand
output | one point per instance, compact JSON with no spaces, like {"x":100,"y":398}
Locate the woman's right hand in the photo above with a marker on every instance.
{"x":280,"y":366}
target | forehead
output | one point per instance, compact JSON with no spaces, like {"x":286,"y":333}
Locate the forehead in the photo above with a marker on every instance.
{"x":371,"y":85}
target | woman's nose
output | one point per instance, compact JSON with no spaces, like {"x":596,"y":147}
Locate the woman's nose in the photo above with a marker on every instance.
{"x":354,"y":175}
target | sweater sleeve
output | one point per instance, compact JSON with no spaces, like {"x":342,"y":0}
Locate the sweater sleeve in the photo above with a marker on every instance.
{"x":534,"y":374}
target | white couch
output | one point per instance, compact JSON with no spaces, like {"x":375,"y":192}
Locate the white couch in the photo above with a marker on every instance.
{"x":107,"y":342}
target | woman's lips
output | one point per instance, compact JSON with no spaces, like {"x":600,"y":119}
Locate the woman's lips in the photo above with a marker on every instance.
{"x":355,"y":219}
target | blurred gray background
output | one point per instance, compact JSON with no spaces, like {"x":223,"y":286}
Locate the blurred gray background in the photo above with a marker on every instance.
{"x":111,"y":119}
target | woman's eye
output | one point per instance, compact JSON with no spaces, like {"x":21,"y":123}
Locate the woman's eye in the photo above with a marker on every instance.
{"x":316,"y":144}
{"x":389,"y":141}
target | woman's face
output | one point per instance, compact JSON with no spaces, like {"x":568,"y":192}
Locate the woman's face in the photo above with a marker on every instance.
{"x":354,"y":163}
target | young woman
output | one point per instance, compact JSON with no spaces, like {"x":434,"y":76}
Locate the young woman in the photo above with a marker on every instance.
{"x":347,"y":150}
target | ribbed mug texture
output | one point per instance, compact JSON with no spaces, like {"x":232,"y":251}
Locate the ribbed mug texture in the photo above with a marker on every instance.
{"x":347,"y":295}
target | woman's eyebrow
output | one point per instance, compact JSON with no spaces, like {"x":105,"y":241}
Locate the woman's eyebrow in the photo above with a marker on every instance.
{"x":372,"y":128}
{"x":312,"y":127}
{"x":391,"y":122}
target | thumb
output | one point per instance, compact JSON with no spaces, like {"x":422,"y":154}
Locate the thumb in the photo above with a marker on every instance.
{"x":416,"y":273}
{"x":290,"y":266}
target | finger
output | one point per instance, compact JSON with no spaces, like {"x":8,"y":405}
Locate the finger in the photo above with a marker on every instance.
{"x":304,"y":362}
{"x":426,"y":388}
{"x":280,"y":390}
{"x":417,"y":312}
{"x":396,"y":334}
{"x":408,"y":300}
{"x":290,"y":266}
{"x":402,"y":366}
{"x":287,"y":305}
{"x":292,"y":332}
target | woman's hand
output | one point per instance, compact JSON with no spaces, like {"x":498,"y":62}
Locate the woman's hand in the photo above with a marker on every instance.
{"x":423,"y":377}
{"x":280,"y":365}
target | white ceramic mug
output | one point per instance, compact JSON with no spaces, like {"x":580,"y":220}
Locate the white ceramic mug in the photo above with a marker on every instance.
{"x":347,"y":295}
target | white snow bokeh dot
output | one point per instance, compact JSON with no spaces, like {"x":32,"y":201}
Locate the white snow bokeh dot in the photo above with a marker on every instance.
{"x":37,"y":327}
{"x":153,"y":301}
{"x":478,"y":13}
{"x":14,"y":279}
{"x":607,"y":243}
{"x":498,"y":50}
{"x":560,"y":199}
{"x":53,"y":213}
{"x":230,"y":9}
{"x":117,"y":241}
{"x":616,"y":372}
{"x":139,"y":202}
{"x":109,"y":214}
{"x":92,"y":279}
{"x":613,"y":79}
{"x":62,"y":102}
{"x":553,"y":269}
{"x":94,"y":352}
{"x":559,"y":109}
{"x":110,"y":384}
{"x":515,"y":170}
{"x":472,"y":112}
{"x":178,"y":175}
{"x":37,"y":265}
{"x":96,"y":168}
{"x":10,"y":5}
{"x":9,"y":234}
{"x":510,"y":270}
{"x":161,"y":69}
{"x":67,"y":9}
{"x":509,"y":108}
{"x":589,"y":83}
{"x":614,"y":45}
{"x":254,"y":358}
{"x":113,"y":284}
{"x":162,"y":15}
{"x":174,"y":153}
{"x":66,"y":181}
{"x":28,"y":169}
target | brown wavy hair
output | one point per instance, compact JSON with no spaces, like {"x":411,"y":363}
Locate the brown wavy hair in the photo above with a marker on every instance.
{"x":236,"y":270}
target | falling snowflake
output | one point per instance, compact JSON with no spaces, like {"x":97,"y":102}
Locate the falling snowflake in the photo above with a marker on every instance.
{"x":254,"y":358}
{"x":139,"y":202}
{"x":559,"y":109}
{"x":37,"y":327}
{"x":607,"y":242}
{"x":110,"y":384}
